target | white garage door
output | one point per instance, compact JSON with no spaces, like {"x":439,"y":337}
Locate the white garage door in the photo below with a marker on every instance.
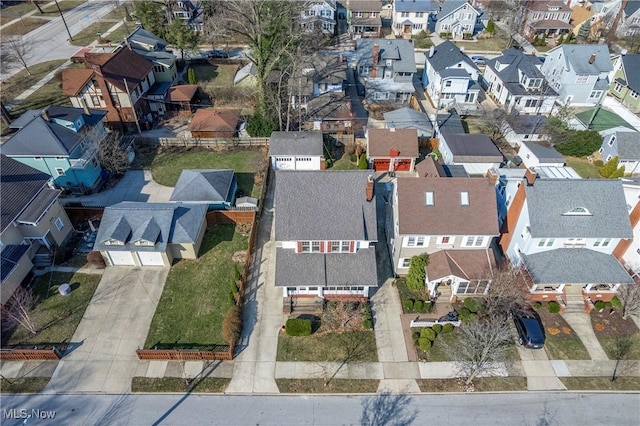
{"x":150,"y":258}
{"x":121,"y":258}
{"x":284,"y":163}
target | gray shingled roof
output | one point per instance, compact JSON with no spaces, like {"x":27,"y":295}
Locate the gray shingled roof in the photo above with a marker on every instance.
{"x":548,"y":201}
{"x":408,"y":118}
{"x":577,"y":58}
{"x":628,"y":145}
{"x":206,"y":186}
{"x":163,"y":223}
{"x":296,"y":143}
{"x":416,"y":5}
{"x":42,"y":138}
{"x":38,"y":206}
{"x":575,"y":266}
{"x":631,"y":64}
{"x":544,"y":153}
{"x":449,"y":123}
{"x":146,"y":40}
{"x":324,"y":269}
{"x":447,"y":54}
{"x":324,"y":205}
{"x":449,"y":6}
{"x":473,"y":148}
{"x":400,"y":50}
{"x":19,"y":186}
{"x":518,"y":63}
{"x":71,"y":114}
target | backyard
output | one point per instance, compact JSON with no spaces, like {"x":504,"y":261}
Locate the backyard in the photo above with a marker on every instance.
{"x":192,"y":314}
{"x":585,"y":168}
{"x":497,"y":43}
{"x":166,"y":165}
{"x":215,"y":75}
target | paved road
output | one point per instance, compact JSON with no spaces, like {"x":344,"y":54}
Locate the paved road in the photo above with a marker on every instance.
{"x":383,"y":409}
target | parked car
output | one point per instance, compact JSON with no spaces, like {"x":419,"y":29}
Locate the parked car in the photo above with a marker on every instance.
{"x":479,"y":60}
{"x":217,"y":54}
{"x":530,"y":329}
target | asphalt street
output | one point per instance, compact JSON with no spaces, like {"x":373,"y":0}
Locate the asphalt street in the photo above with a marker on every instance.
{"x":548,"y":408}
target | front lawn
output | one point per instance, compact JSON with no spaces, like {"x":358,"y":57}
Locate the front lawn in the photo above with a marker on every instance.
{"x":297,"y":386}
{"x":359,"y":346}
{"x":583,"y":167}
{"x":195,"y":298}
{"x":18,"y":83}
{"x":497,"y":43}
{"x":65,"y":6}
{"x":24,"y":384}
{"x":49,"y":94}
{"x":92,"y":32}
{"x":56,"y":316}
{"x":601,"y":383}
{"x":166,"y":166}
{"x":24,"y":26}
{"x":609,"y":328}
{"x":561,"y":341}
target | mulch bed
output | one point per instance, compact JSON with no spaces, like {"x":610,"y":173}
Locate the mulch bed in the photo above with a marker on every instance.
{"x":610,"y":324}
{"x":554,"y":324}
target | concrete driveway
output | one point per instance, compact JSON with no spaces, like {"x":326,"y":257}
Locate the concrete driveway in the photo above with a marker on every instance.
{"x":114,"y":325}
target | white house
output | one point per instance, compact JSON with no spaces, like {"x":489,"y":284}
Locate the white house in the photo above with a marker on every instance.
{"x":319,"y":15}
{"x":535,"y":155}
{"x":296,"y":151}
{"x":457,"y":18}
{"x":411,"y":16}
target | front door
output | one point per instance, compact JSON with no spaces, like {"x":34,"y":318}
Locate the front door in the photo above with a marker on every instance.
{"x":407,"y":29}
{"x":48,"y":240}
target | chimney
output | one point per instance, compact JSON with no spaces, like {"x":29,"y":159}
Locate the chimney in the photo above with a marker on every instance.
{"x":374,"y":72}
{"x":530,"y":176}
{"x":592,"y":59}
{"x":369,"y":189}
{"x":432,"y":50}
{"x":376,"y":53}
{"x":45,"y":114}
{"x":493,"y":176}
{"x":85,"y":107}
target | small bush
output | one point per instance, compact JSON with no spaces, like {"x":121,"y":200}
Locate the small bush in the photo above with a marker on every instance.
{"x":415,"y":336}
{"x":447,"y":328}
{"x":298,"y":327}
{"x":598,"y":163}
{"x":367,"y":324}
{"x":473,"y":305}
{"x":466,"y":316}
{"x":553,"y":307}
{"x":426,"y":307}
{"x":424,"y":344}
{"x":417,"y":305}
{"x":232,"y":325}
{"x":408,"y":305}
{"x":437,"y":328}
{"x":599,"y":305}
{"x":608,"y":305}
{"x":363,"y":164}
{"x":537,"y":306}
{"x":616,"y":303}
{"x":428,"y":333}
{"x":464,"y":311}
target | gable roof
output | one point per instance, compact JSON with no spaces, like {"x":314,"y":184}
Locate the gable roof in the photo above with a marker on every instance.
{"x":380,"y":143}
{"x":215,"y":120}
{"x":548,"y":201}
{"x":74,"y":80}
{"x":324,"y":205}
{"x":628,"y":145}
{"x":629,"y":64}
{"x":244,"y":72}
{"x":519,"y":63}
{"x":446,"y":55}
{"x":446,"y":216}
{"x":204,"y":186}
{"x":545,"y":154}
{"x":465,"y":264}
{"x":429,"y":168}
{"x":42,"y":138}
{"x":364,"y":5}
{"x":450,"y":6}
{"x":182,"y":93}
{"x":71,"y":114}
{"x":146,"y":40}
{"x":631,"y":8}
{"x":296,"y":143}
{"x":416,"y":5}
{"x":575,"y":266}
{"x":162,"y":223}
{"x":398,"y":50}
{"x":408,"y":118}
{"x":19,"y":187}
{"x":577,"y":56}
{"x":473,"y":148}
{"x":449,"y":123}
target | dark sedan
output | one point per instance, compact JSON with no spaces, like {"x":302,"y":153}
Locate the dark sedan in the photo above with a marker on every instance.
{"x":530,"y":329}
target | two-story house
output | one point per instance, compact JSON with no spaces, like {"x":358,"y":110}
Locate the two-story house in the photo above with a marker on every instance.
{"x":319,"y":15}
{"x":629,"y":25}
{"x":578,"y":72}
{"x":62,"y":142}
{"x":363,"y":18}
{"x":189,"y":11}
{"x":450,"y":77}
{"x":625,"y":82}
{"x":411,"y":17}
{"x":116,"y":82}
{"x":515,"y":82}
{"x":447,"y":218}
{"x":548,"y":18}
{"x":32,"y":223}
{"x":624,"y":144}
{"x":325,"y":233}
{"x":316,"y":76}
{"x":457,"y":18}
{"x":563,"y":233}
{"x":153,"y":48}
{"x":387,"y":69}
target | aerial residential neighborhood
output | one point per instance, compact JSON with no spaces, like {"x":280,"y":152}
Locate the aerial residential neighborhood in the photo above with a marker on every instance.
{"x":385,"y":199}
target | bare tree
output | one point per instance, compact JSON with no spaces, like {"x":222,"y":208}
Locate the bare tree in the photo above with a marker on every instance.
{"x":16,"y":51}
{"x":629,"y":296}
{"x":111,"y":156}
{"x":481,"y":347}
{"x":492,"y":122}
{"x":508,"y":291}
{"x":623,"y":345}
{"x":18,"y":310}
{"x":341,"y":316}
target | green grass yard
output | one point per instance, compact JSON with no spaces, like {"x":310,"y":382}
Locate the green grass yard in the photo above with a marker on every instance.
{"x":177,"y":384}
{"x":215,"y":75}
{"x":65,"y":6}
{"x":297,"y":386}
{"x":583,"y":167}
{"x":49,"y":94}
{"x":90,"y":33}
{"x":333,"y":347}
{"x":195,"y":298}
{"x":21,"y":81}
{"x":24,"y":26}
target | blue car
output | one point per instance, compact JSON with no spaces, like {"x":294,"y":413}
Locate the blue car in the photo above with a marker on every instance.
{"x":530,"y":329}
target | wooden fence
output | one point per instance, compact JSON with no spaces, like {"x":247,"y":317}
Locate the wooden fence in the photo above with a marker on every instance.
{"x":29,"y":354}
{"x":184,"y":355}
{"x":231,"y":216}
{"x":217,"y":143}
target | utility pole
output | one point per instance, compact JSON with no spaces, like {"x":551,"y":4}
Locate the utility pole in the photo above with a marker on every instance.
{"x":63,"y":20}
{"x":133,"y":107}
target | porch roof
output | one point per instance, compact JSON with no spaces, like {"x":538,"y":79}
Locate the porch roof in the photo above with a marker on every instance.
{"x":9,"y":259}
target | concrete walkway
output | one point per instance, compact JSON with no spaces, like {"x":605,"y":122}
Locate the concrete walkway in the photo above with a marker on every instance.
{"x":539,"y":371}
{"x":580,"y":322}
{"x":102,"y":355}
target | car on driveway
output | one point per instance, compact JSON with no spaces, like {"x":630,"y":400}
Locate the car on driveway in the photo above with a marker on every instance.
{"x":479,"y":60}
{"x":530,"y":329}
{"x":217,"y":54}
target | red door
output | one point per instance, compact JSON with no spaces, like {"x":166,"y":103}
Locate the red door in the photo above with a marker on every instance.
{"x":381,"y":164}
{"x":402,"y":165}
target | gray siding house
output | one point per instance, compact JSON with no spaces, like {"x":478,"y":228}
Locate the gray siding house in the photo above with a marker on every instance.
{"x":625,"y":144}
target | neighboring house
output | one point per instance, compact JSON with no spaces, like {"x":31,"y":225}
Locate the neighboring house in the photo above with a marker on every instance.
{"x":548,"y":18}
{"x":150,"y":234}
{"x":215,"y":123}
{"x":625,"y":84}
{"x":386,"y":68}
{"x":183,"y":98}
{"x":296,"y":151}
{"x":628,"y":251}
{"x":189,"y":11}
{"x":536,"y":155}
{"x":563,"y":232}
{"x":450,"y":77}
{"x":458,"y":19}
{"x":626,"y":146}
{"x":329,"y":113}
{"x":411,"y":17}
{"x":153,"y":48}
{"x":578,"y":72}
{"x":33,"y":223}
{"x":518,"y":129}
{"x":158,"y":94}
{"x":117,"y":82}
{"x":325,"y":233}
{"x":316,"y":76}
{"x":475,"y":152}
{"x":392,"y":150}
{"x":62,"y":142}
{"x":363,"y":18}
{"x":434,"y":214}
{"x":515,"y":81}
{"x":215,"y":188}
{"x":319,"y":15}
{"x":409,"y":118}
{"x":629,"y":24}
{"x":246,"y":76}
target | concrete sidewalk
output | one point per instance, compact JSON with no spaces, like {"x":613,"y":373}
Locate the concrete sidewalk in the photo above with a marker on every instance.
{"x":580,"y":322}
{"x":539,"y":371}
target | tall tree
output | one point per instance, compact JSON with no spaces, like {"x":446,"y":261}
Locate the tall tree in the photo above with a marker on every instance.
{"x":18,"y":310}
{"x":16,"y":51}
{"x":181,"y":36}
{"x":151,"y":15}
{"x":629,"y":295}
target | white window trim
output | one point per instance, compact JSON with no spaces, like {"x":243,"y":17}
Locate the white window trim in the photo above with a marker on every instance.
{"x":59,"y":224}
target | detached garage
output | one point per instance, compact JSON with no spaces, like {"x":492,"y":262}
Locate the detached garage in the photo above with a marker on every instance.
{"x":392,"y":150}
{"x":150,"y":234}
{"x":296,"y":150}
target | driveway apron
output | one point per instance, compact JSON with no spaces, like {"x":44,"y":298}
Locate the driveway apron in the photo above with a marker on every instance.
{"x":102,"y":355}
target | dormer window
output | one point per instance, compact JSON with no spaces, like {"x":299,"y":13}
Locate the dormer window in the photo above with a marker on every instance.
{"x":112,"y":242}
{"x":578,"y":211}
{"x":143,"y":243}
{"x":429,"y":198}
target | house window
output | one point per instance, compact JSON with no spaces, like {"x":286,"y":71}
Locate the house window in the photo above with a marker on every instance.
{"x":419,"y":14}
{"x":617,"y":87}
{"x":315,"y":246}
{"x":404,"y":262}
{"x":612,"y":140}
{"x":582,"y":79}
{"x":595,"y":94}
{"x":464,"y":198}
{"x":340,"y":246}
{"x":533,"y":103}
{"x":445,"y":240}
{"x":429,"y":198}
{"x":634,"y":95}
{"x":305,"y":247}
{"x":404,"y":14}
{"x":574,"y":241}
{"x":60,"y":171}
{"x":59,"y":224}
{"x":447,"y":83}
{"x":474,"y":241}
{"x":416,"y":241}
{"x":546,"y":242}
{"x":600,"y":242}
